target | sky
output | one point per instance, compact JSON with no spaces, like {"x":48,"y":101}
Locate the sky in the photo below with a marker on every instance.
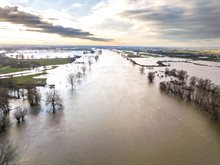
{"x":111,"y":22}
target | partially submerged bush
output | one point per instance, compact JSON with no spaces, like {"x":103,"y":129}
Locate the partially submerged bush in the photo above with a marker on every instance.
{"x":151,"y":76}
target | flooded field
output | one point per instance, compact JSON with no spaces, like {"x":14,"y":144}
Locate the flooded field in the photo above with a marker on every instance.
{"x":114,"y":116}
{"x":201,"y":69}
{"x":45,"y":53}
{"x":153,"y":60}
{"x":207,"y":72}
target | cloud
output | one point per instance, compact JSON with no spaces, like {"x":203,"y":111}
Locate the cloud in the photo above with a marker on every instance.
{"x":36,"y":23}
{"x":115,"y":25}
{"x":76,"y":5}
{"x":100,"y":5}
{"x":199,"y":20}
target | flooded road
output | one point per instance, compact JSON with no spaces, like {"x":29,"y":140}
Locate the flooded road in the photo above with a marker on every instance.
{"x":114,"y":116}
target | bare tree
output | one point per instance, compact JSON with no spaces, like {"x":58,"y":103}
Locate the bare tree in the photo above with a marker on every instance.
{"x":19,"y":113}
{"x":71,"y":78}
{"x":96,"y":58}
{"x":33,"y":96}
{"x":167,"y":71}
{"x":142,"y":70}
{"x":7,"y":153}
{"x":4,"y":100}
{"x":4,"y":121}
{"x":193,"y":80}
{"x":83,"y":68}
{"x":90,"y":62}
{"x":151,"y":76}
{"x":78,"y":75}
{"x":182,"y":75}
{"x":54,"y":100}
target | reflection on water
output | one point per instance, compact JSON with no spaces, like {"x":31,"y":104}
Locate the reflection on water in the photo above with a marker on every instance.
{"x":114,"y":116}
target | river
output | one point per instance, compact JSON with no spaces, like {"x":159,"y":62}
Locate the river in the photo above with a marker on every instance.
{"x":114,"y":116}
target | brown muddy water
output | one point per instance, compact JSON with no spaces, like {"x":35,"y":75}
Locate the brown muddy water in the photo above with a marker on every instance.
{"x":114,"y":116}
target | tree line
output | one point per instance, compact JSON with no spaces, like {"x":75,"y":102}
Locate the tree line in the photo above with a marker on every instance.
{"x":200,"y":91}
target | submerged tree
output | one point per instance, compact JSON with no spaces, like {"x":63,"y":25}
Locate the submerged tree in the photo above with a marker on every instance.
{"x":182,"y":75}
{"x":193,"y":80}
{"x":142,"y":70}
{"x":83,"y":68}
{"x":71,"y":78}
{"x":19,"y":113}
{"x":96,"y":58}
{"x":54,"y":100}
{"x":151,"y":76}
{"x":78,"y":75}
{"x":4,"y":100}
{"x":33,"y":96}
{"x":7,"y":153}
{"x":90,"y":62}
{"x":4,"y":121}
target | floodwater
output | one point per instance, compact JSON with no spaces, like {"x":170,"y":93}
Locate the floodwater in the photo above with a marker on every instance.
{"x":207,"y":72}
{"x":154,"y":60}
{"x":114,"y":116}
{"x":211,"y":71}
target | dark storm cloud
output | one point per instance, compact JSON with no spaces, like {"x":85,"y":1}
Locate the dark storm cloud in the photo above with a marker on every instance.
{"x":200,"y":21}
{"x":13,"y":15}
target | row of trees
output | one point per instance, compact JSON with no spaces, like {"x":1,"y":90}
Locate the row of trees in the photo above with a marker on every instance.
{"x":201,"y":91}
{"x":73,"y":77}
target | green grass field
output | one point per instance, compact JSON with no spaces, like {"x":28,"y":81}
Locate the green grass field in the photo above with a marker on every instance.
{"x":9,"y":69}
{"x":42,"y":62}
{"x":24,"y":80}
{"x":56,"y":61}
